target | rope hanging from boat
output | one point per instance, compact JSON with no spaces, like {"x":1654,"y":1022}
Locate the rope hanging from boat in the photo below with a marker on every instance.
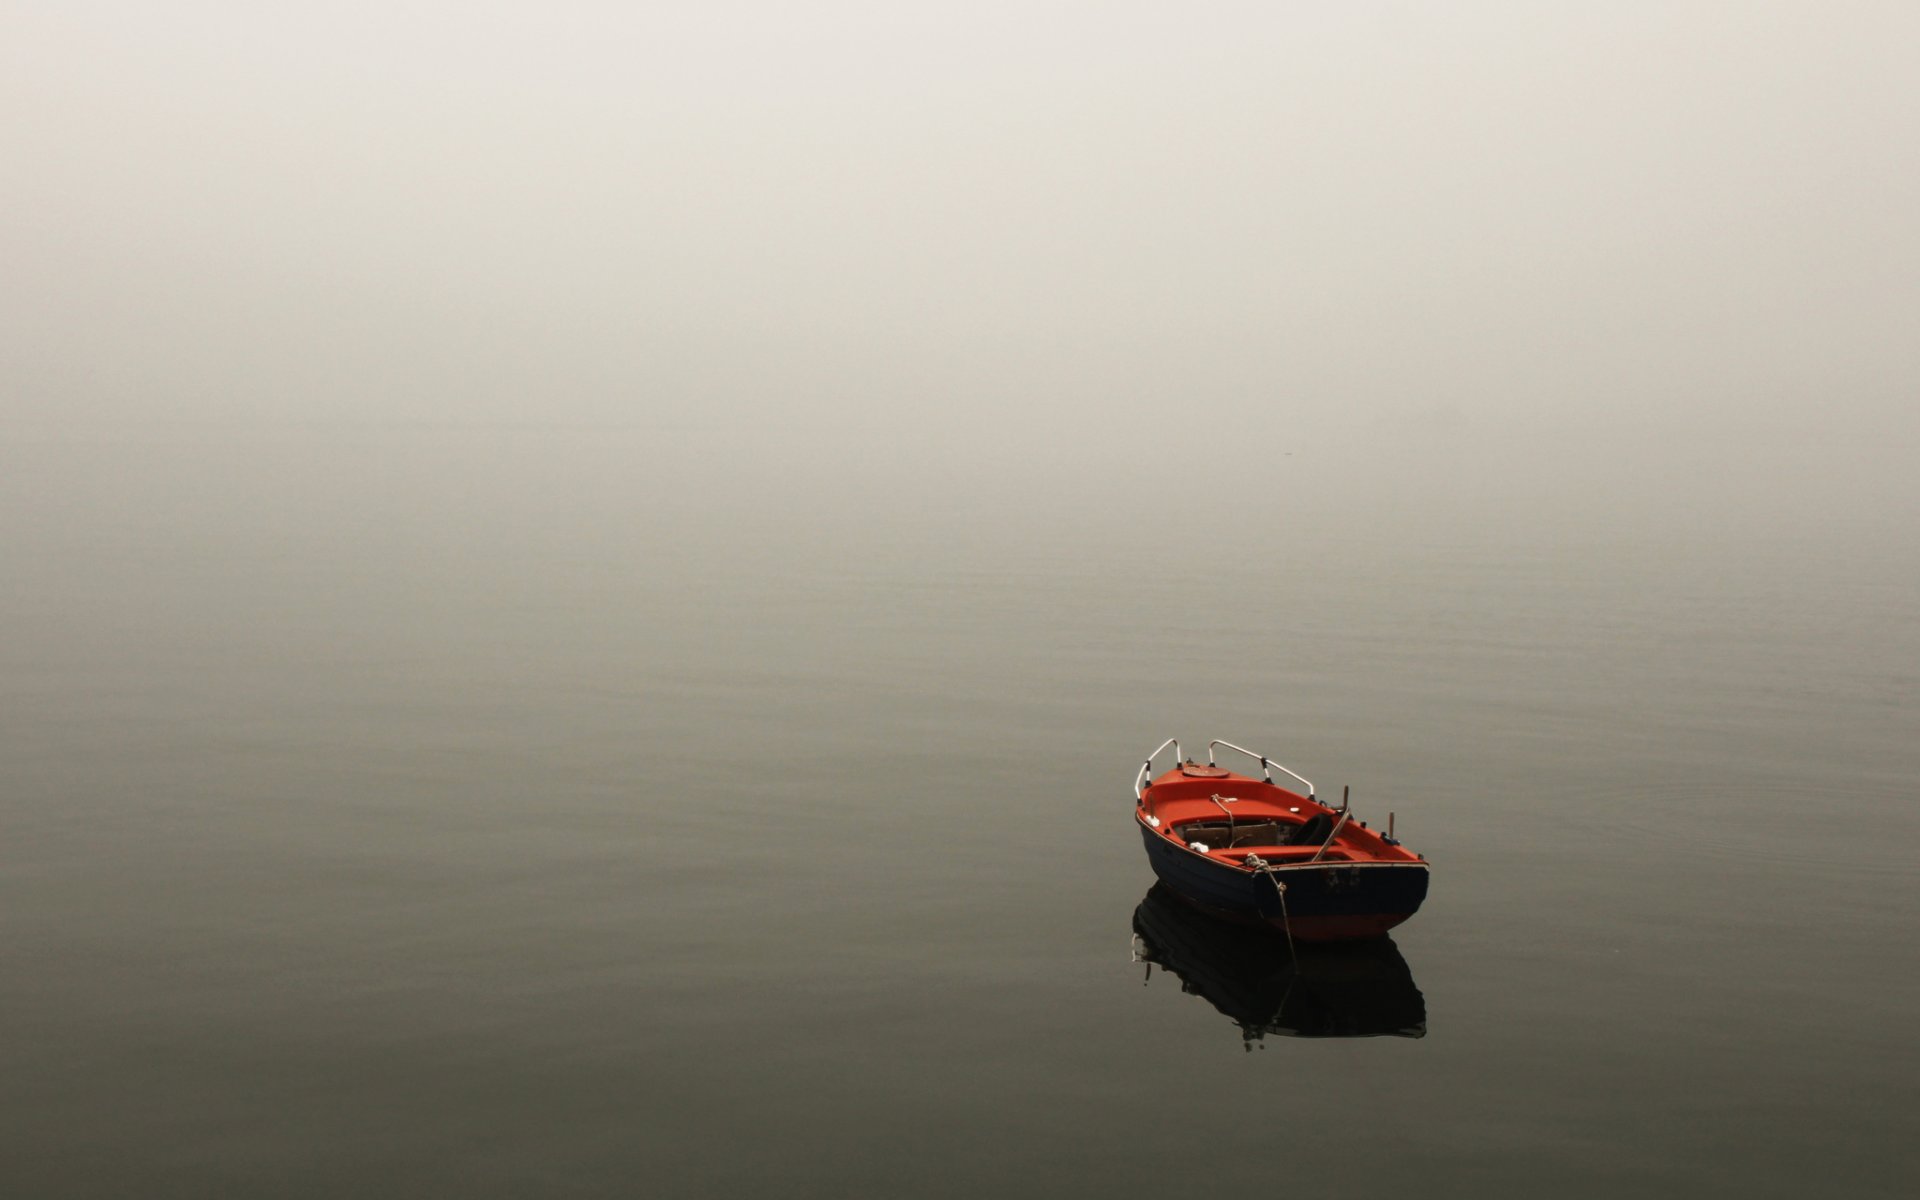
{"x":1260,"y":865}
{"x":1221,"y":804}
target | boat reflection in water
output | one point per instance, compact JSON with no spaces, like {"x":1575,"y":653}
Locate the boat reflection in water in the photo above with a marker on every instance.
{"x":1342,"y":989}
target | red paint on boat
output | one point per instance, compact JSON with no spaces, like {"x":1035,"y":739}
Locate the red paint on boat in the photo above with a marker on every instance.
{"x":1220,"y":832}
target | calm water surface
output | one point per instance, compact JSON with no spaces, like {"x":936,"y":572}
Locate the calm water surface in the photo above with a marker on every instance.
{"x":521,"y":812}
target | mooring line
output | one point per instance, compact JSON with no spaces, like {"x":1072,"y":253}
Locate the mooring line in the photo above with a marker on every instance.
{"x":1254,"y":862}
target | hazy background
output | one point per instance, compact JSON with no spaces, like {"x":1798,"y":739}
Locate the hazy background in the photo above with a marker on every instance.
{"x":580,"y":586}
{"x":922,"y":231}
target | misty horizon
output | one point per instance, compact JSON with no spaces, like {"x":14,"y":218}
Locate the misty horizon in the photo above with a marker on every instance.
{"x":1684,"y":222}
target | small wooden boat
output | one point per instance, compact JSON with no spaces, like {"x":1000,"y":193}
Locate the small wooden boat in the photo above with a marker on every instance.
{"x":1248,"y":849}
{"x":1269,"y":987}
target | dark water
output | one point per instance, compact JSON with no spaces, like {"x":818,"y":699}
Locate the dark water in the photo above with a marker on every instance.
{"x":545,"y":811}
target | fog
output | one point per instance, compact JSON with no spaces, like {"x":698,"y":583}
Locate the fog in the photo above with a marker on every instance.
{"x":1037,"y":243}
{"x":582,"y":587}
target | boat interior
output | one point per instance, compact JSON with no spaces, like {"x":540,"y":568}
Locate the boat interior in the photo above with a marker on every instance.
{"x":1228,"y":817}
{"x":1275,"y":838}
{"x":1258,"y":831}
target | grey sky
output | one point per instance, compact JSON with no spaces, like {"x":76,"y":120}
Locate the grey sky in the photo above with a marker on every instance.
{"x":939,"y":222}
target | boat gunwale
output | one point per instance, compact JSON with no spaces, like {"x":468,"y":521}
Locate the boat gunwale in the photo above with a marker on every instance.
{"x":1275,"y":867}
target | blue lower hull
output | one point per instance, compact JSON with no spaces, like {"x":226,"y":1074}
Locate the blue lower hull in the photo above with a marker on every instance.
{"x":1325,"y":901}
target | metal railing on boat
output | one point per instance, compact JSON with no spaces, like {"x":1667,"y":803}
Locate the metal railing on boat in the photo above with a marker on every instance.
{"x":1267,"y":765}
{"x":1139,"y":781}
